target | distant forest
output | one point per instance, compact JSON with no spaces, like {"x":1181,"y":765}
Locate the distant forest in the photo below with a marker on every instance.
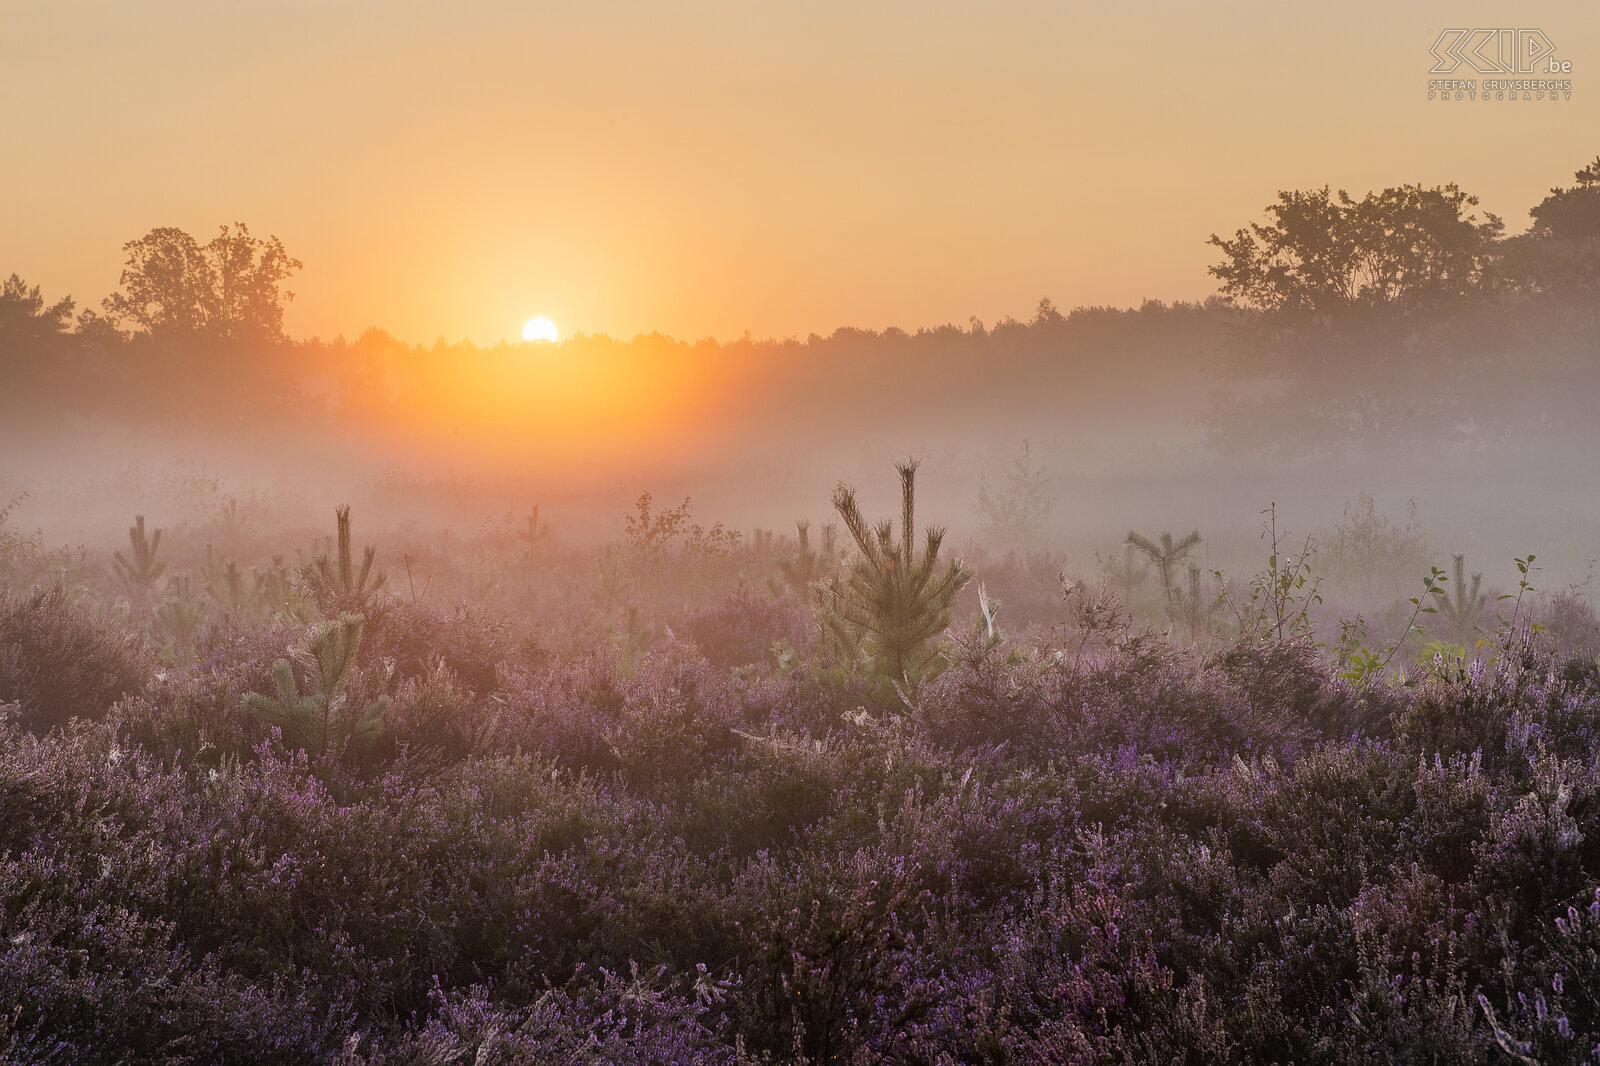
{"x":1404,"y":318}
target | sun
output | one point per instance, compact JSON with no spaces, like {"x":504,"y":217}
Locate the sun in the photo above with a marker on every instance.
{"x":540,"y":329}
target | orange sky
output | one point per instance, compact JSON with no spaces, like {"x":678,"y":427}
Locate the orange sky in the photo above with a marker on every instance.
{"x":703,"y":168}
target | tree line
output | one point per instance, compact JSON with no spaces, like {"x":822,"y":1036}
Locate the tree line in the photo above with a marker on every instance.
{"x":1407,"y":316}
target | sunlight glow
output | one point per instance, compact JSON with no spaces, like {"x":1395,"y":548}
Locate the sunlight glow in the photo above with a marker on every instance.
{"x":540,"y":329}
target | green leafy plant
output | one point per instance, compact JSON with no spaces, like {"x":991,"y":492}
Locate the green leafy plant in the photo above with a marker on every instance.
{"x":1282,"y":595}
{"x":1525,"y":569}
{"x":1432,"y":589}
{"x":889,"y":604}
{"x":709,"y":545}
{"x":1436,"y":659}
{"x":1354,"y":660}
{"x":651,"y":533}
{"x":321,"y":718}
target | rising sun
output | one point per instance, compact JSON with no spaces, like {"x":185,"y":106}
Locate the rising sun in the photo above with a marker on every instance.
{"x":539,"y":329}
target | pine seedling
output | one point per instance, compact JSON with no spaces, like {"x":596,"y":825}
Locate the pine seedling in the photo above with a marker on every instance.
{"x":1166,"y":555}
{"x":275,"y":593}
{"x":210,"y":572}
{"x":321,"y":718}
{"x":888,"y":603}
{"x":1195,"y":606}
{"x":1468,"y":602}
{"x":342,"y":586}
{"x":180,"y":616}
{"x":535,"y":532}
{"x":1128,"y":575}
{"x":222,"y":581}
{"x":140,"y":574}
{"x":229,"y":522}
{"x":799,"y":572}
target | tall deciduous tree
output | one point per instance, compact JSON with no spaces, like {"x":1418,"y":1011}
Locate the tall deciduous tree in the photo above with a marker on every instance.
{"x":1322,"y":255}
{"x":229,"y":288}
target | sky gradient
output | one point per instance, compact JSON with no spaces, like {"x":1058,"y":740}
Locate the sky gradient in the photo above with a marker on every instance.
{"x":707,"y":168}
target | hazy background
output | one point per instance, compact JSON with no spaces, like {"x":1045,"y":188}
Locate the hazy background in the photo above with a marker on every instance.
{"x":785,"y":246}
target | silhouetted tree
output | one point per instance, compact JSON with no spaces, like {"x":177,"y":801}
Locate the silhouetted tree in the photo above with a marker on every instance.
{"x":1560,"y":253}
{"x":231,"y":287}
{"x":25,"y":317}
{"x":1405,"y":248}
{"x":1572,"y":214}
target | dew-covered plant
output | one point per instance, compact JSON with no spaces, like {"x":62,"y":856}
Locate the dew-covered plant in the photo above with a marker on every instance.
{"x":322,"y":718}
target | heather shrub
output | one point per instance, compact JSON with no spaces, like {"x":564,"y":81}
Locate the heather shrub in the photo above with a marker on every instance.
{"x":1287,"y":685}
{"x":58,"y":661}
{"x":473,"y":644}
{"x":1119,"y":851}
{"x":831,"y":953}
{"x":97,"y":983}
{"x":1547,"y":1011}
{"x":989,"y":698}
{"x":435,"y":716}
{"x":1459,"y":716}
{"x":1328,"y":823}
{"x":642,"y":1019}
{"x":744,"y":628}
{"x":195,"y":715}
{"x":676,"y":722}
{"x":562,"y":711}
{"x":781,"y":787}
{"x":240,"y":654}
{"x":1534,"y":849}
